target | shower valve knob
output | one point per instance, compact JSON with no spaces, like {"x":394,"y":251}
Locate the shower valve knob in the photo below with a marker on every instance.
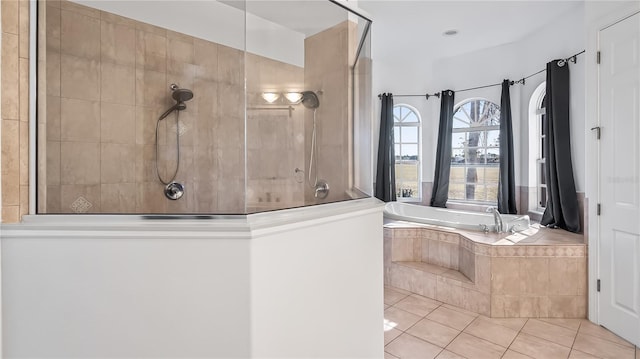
{"x":174,"y":191}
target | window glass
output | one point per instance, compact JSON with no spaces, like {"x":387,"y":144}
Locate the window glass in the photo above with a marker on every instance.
{"x":475,"y":152}
{"x":406,"y":133}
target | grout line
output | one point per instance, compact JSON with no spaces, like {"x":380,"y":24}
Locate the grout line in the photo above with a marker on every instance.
{"x":514,"y":339}
{"x":575,"y":338}
{"x":463,"y":331}
{"x":528,"y":356}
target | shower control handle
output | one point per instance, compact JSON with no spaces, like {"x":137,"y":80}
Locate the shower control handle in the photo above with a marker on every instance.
{"x":174,"y":191}
{"x":322,"y":189}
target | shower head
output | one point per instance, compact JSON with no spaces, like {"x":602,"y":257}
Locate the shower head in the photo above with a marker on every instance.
{"x":310,"y":99}
{"x":182,"y":95}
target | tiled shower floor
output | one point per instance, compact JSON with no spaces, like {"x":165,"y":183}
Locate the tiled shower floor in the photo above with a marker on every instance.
{"x":419,"y":327}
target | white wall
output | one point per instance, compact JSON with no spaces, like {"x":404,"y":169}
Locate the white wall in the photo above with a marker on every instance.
{"x":131,"y":295}
{"x":558,"y":39}
{"x":564,"y":38}
{"x":484,"y":67}
{"x":406,"y":75}
{"x":315,"y":283}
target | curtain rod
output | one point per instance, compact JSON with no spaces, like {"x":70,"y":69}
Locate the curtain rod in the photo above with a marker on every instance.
{"x":561,"y":62}
{"x":425,"y":95}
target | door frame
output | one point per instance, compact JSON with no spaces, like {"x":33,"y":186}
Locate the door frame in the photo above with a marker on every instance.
{"x":602,"y":16}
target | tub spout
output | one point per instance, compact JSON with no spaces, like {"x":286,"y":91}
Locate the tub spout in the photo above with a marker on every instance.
{"x":497,"y":219}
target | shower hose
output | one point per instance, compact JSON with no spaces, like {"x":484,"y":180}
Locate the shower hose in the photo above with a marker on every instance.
{"x":175,"y":173}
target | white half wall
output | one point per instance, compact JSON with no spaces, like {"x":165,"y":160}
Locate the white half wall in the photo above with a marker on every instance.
{"x":127,"y":294}
{"x":303,"y":282}
{"x":323,"y":281}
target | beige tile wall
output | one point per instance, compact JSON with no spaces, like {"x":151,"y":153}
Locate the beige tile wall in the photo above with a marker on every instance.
{"x":14,"y":172}
{"x":553,"y":286}
{"x":108,"y":81}
{"x":327,"y":60}
{"x":275,"y":136}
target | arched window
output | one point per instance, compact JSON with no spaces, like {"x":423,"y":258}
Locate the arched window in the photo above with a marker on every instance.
{"x":537,"y":155}
{"x":475,"y":156}
{"x":406,"y":133}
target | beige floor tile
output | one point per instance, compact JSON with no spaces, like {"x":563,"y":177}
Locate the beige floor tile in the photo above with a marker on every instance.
{"x":510,"y":354}
{"x":449,"y":355}
{"x":512,"y":323}
{"x":572,"y":324}
{"x":576,"y":354}
{"x":400,"y":319}
{"x":433,"y":332}
{"x":538,"y":348}
{"x":407,"y":346}
{"x":390,"y":334}
{"x":393,"y":295}
{"x":389,"y":356}
{"x":494,"y":333}
{"x":551,"y":332}
{"x":418,"y":305}
{"x":450,"y":318}
{"x":458,"y":309}
{"x":399,"y":290}
{"x":473,"y":347}
{"x":602,"y":348}
{"x":587,"y":327}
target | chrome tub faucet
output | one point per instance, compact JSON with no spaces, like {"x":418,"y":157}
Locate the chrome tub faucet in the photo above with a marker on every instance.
{"x":497,"y":219}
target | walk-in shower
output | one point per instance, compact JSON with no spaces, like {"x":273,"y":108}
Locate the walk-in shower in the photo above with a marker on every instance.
{"x":145,"y":116}
{"x":173,"y":190}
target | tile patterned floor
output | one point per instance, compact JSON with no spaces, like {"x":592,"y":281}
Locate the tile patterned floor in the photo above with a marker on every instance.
{"x":419,"y":327}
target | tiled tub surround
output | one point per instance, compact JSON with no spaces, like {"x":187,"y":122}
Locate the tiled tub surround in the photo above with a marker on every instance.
{"x":538,"y":272}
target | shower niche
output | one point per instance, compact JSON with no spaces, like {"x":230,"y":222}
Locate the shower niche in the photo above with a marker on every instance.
{"x":201,"y":107}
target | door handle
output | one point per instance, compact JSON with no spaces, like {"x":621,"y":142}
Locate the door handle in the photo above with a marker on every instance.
{"x":597,"y":128}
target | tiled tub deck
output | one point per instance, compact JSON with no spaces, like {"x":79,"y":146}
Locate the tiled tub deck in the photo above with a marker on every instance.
{"x":539,"y":272}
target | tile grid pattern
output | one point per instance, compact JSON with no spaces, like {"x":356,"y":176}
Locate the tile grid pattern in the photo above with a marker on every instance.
{"x":107,"y":82}
{"x":14,"y":174}
{"x":417,"y":326}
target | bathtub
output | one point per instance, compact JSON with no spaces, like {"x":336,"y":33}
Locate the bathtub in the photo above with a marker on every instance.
{"x":475,"y":221}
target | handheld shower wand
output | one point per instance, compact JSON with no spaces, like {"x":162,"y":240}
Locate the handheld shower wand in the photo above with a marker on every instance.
{"x":173,"y":190}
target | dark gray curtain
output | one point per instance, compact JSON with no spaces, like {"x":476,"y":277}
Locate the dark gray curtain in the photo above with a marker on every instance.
{"x":440,"y":192}
{"x":562,"y":204}
{"x":506,"y":181}
{"x":386,"y":171}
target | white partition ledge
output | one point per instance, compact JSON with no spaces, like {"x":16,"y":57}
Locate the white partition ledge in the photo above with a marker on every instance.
{"x":304,"y":282}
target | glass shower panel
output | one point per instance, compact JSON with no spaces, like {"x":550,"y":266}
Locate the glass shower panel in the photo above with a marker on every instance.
{"x":144,"y":101}
{"x":300,"y":64}
{"x":201,"y":107}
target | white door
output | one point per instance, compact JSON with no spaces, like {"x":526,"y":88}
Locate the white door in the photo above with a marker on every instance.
{"x":619,"y":241}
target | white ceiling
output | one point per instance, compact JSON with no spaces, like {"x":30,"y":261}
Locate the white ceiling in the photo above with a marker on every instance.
{"x":414,"y":28}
